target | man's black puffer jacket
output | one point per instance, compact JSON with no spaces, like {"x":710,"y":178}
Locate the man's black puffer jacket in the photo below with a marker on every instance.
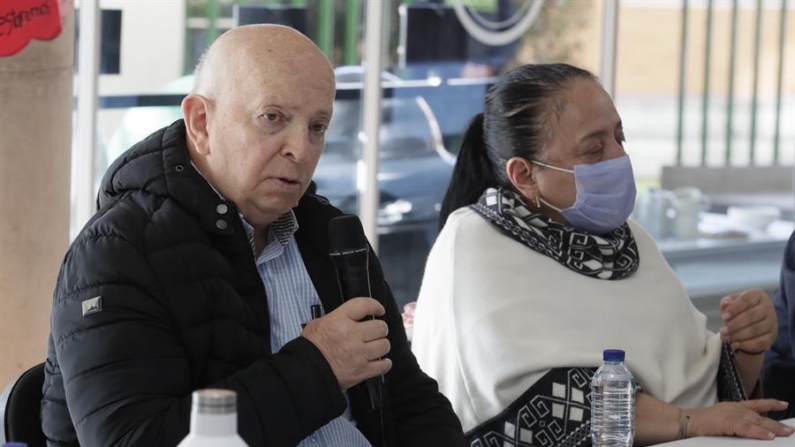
{"x":183,"y":308}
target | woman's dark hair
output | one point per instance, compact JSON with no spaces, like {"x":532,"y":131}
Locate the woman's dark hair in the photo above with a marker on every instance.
{"x":516,"y":122}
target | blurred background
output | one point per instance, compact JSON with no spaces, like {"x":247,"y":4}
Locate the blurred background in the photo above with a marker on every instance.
{"x":705,"y":88}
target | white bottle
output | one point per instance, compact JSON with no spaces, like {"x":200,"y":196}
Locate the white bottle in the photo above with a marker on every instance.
{"x":213,"y":420}
{"x":613,"y":403}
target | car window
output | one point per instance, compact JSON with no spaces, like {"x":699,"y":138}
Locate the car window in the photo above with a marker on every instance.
{"x":405,"y":131}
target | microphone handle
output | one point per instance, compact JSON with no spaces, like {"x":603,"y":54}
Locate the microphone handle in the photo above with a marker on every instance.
{"x":355,"y":282}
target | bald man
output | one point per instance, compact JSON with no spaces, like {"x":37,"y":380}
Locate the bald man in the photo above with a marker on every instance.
{"x":200,"y":268}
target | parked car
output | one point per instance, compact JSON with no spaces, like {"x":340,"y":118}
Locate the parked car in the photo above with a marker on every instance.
{"x":414,"y":168}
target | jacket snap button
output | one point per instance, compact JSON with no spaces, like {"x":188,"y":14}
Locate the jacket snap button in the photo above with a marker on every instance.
{"x":222,"y":208}
{"x":221,"y":224}
{"x":178,"y":168}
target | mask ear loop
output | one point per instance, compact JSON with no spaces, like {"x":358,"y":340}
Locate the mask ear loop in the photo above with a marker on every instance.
{"x":538,"y":196}
{"x":570,"y":171}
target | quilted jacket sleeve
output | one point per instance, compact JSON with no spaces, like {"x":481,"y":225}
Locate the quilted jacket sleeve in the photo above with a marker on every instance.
{"x":127,"y":377}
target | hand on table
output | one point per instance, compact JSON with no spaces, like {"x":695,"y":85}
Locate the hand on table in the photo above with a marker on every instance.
{"x":352,"y":344}
{"x":743,"y":419}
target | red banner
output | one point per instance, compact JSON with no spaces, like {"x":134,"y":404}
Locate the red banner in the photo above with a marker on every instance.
{"x":24,"y":20}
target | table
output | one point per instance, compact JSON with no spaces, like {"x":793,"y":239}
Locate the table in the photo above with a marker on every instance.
{"x":712,"y":441}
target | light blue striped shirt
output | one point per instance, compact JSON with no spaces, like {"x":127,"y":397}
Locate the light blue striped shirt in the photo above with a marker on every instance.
{"x":290,"y":295}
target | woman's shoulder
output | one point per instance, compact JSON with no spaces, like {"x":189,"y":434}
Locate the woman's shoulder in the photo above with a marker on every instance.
{"x":469,"y":239}
{"x":645,"y":242}
{"x":465,"y":221}
{"x":466,"y":231}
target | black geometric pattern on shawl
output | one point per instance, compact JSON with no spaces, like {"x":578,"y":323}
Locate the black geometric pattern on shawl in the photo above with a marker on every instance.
{"x":554,"y":412}
{"x":611,"y":256}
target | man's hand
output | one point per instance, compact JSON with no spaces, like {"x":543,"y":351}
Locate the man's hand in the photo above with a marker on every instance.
{"x":352,"y":347}
{"x":743,"y":419}
{"x":749,"y":321}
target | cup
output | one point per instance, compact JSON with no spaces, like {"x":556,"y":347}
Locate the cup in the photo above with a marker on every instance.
{"x":654,"y":212}
{"x":688,"y":203}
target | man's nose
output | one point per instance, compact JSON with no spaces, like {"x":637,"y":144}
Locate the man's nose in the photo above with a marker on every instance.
{"x":298,"y":147}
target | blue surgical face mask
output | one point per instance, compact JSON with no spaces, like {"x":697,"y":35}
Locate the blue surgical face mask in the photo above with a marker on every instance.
{"x":605,"y":195}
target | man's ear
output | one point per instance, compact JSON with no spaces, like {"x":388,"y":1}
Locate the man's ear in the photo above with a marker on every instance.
{"x":196,"y":110}
{"x":521,"y":173}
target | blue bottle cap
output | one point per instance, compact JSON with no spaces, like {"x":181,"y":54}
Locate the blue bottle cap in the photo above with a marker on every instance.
{"x":613,"y":355}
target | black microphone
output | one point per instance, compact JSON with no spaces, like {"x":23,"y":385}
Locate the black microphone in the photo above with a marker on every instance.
{"x":349,"y":252}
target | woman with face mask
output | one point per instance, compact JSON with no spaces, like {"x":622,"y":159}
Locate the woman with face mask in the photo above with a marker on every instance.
{"x":537,"y":270}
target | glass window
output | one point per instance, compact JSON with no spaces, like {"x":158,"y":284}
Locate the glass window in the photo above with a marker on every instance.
{"x":435,"y":76}
{"x":705,"y":93}
{"x":441,"y":72}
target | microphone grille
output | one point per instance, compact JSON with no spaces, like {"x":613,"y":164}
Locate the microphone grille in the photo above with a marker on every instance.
{"x":345,"y":233}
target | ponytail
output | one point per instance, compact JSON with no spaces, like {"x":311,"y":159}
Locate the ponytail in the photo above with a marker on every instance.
{"x":473,"y":172}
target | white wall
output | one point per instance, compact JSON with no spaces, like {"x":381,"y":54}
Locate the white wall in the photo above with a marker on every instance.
{"x":152,"y":53}
{"x":152,"y":45}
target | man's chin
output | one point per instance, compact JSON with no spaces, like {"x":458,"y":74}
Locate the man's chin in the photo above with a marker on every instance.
{"x":280,"y":204}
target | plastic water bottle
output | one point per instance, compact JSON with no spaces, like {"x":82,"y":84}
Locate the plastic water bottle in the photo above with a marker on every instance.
{"x":613,"y":402}
{"x":213,"y":420}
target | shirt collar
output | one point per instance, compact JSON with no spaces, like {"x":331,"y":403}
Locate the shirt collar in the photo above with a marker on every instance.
{"x":281,"y":230}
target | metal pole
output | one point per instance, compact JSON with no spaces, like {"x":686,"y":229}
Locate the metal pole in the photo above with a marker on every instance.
{"x":325,"y":27}
{"x":352,"y":17}
{"x":212,"y":18}
{"x":757,"y":40}
{"x":682,"y":80}
{"x":607,"y":61}
{"x":83,"y":192}
{"x":705,"y":102}
{"x":367,"y":178}
{"x":730,"y":99}
{"x":782,"y":31}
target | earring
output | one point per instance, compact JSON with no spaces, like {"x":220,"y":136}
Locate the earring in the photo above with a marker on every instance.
{"x":538,"y":205}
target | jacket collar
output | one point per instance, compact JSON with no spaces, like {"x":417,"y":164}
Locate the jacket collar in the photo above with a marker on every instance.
{"x":160,"y":165}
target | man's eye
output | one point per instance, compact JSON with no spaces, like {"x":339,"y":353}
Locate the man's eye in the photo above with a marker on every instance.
{"x":319,"y":128}
{"x":272,"y":117}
